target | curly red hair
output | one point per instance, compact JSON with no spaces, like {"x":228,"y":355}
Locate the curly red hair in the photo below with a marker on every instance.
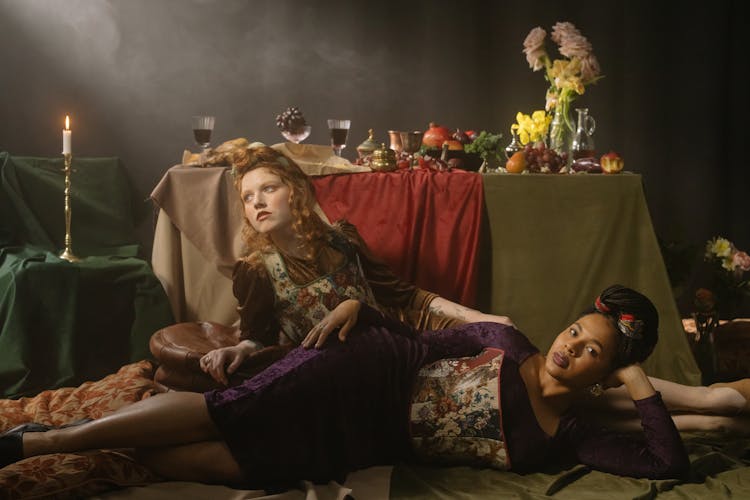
{"x":306,"y":222}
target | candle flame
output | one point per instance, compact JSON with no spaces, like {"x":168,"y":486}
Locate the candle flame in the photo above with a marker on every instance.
{"x":67,"y":122}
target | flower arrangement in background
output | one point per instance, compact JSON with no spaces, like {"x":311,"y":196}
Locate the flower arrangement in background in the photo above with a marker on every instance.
{"x":731,"y":267}
{"x":531,"y":129}
{"x":567,"y":76}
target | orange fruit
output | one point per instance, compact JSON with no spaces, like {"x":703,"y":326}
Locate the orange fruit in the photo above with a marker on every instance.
{"x":517,"y":163}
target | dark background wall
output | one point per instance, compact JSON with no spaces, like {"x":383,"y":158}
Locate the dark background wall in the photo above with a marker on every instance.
{"x":131,"y":73}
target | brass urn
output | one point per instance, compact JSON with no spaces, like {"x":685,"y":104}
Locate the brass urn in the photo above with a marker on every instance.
{"x":383,"y":159}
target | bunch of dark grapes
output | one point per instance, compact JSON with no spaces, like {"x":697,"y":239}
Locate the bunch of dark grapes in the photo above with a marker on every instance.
{"x":290,"y":119}
{"x":540,"y":159}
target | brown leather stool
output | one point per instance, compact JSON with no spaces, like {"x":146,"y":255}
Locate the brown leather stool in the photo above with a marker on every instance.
{"x":179,"y":348}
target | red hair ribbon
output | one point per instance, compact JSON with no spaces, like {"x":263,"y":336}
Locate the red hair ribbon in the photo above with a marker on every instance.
{"x":601,"y":306}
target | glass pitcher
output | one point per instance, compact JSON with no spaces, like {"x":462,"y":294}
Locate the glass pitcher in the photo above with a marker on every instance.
{"x":583,"y":140}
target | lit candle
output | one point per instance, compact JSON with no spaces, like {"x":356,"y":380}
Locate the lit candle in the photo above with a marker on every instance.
{"x":67,"y":134}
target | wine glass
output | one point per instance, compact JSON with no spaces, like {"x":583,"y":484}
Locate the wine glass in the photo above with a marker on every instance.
{"x":297,"y":135}
{"x":202,"y":128}
{"x":339,"y":130}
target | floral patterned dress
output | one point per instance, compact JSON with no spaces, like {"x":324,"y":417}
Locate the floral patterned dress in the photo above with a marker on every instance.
{"x":299,"y":307}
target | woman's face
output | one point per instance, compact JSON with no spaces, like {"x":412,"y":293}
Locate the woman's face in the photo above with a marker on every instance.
{"x":584,"y":353}
{"x":265,"y":199}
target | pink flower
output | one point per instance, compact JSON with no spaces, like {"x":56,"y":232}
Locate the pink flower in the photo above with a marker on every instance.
{"x":589,"y":68}
{"x":533,"y":47}
{"x":563,"y":30}
{"x":575,"y":46}
{"x":741,"y":260}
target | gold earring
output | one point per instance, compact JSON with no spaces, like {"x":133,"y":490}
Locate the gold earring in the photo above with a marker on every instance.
{"x":596,"y":390}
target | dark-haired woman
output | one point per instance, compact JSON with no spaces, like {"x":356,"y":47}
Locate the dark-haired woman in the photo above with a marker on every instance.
{"x":318,"y":414}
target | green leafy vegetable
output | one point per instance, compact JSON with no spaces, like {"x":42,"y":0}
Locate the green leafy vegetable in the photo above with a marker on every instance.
{"x":486,"y":145}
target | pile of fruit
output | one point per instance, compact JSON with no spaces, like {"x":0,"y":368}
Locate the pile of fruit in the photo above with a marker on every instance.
{"x":290,"y":120}
{"x":541,"y":159}
{"x":444,"y":149}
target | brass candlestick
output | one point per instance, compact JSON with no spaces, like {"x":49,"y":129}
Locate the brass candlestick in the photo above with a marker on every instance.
{"x":67,"y":254}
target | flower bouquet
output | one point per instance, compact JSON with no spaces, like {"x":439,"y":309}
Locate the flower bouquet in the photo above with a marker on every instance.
{"x":568,"y":76}
{"x":731,"y":270}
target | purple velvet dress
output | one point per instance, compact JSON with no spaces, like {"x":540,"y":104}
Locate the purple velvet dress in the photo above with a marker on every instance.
{"x":320,"y":414}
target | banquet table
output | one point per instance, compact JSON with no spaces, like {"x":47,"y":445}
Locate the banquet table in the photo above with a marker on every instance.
{"x":535,"y":247}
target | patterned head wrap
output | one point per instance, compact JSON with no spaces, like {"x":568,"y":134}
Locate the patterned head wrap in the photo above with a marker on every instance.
{"x":627,"y":324}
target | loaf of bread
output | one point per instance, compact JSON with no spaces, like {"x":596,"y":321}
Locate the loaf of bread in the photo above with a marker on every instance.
{"x":220,"y":156}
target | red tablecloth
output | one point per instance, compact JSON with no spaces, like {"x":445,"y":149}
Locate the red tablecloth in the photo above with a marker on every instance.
{"x":424,"y":224}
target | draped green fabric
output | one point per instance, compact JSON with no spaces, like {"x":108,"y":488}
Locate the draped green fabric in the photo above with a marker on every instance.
{"x":719,"y":468}
{"x":558,"y":240}
{"x":63,"y":323}
{"x":102,"y":205}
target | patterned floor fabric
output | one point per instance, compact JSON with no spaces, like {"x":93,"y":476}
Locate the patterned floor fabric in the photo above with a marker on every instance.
{"x":76,"y":475}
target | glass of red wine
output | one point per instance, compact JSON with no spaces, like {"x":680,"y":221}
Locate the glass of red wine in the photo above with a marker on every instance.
{"x":339,"y":130}
{"x":202,"y":128}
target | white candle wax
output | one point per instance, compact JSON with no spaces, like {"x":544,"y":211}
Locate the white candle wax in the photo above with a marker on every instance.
{"x":66,"y":142}
{"x":67,"y":136}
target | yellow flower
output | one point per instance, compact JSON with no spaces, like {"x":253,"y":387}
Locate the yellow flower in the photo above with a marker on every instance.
{"x":720,"y":247}
{"x":531,"y":128}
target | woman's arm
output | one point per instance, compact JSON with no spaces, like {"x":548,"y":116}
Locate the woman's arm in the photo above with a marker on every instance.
{"x":258,"y":327}
{"x":390,"y":291}
{"x":659,"y":453}
{"x":445,"y":307}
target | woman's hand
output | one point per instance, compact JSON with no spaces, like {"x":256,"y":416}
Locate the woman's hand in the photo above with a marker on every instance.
{"x":214,"y":362}
{"x":344,"y":316}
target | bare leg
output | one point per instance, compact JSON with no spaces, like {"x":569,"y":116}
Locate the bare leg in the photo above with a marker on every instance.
{"x":174,"y":418}
{"x":684,"y":423}
{"x":205,"y":462}
{"x":716,"y":399}
{"x":741,"y":386}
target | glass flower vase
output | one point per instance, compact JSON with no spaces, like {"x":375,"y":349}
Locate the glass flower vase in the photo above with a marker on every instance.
{"x":561,"y":129}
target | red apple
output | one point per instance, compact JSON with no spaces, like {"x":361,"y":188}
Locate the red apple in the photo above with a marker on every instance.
{"x":612,"y":163}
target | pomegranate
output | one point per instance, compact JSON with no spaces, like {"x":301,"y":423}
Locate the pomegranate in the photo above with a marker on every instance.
{"x":435,"y":136}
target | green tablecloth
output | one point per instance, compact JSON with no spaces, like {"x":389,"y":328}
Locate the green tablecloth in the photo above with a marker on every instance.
{"x":63,"y":323}
{"x":558,"y":240}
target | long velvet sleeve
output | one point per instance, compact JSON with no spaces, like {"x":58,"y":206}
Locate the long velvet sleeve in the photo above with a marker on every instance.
{"x":399,"y":299}
{"x":389,"y":289}
{"x":255,"y":295}
{"x":658,"y":454}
